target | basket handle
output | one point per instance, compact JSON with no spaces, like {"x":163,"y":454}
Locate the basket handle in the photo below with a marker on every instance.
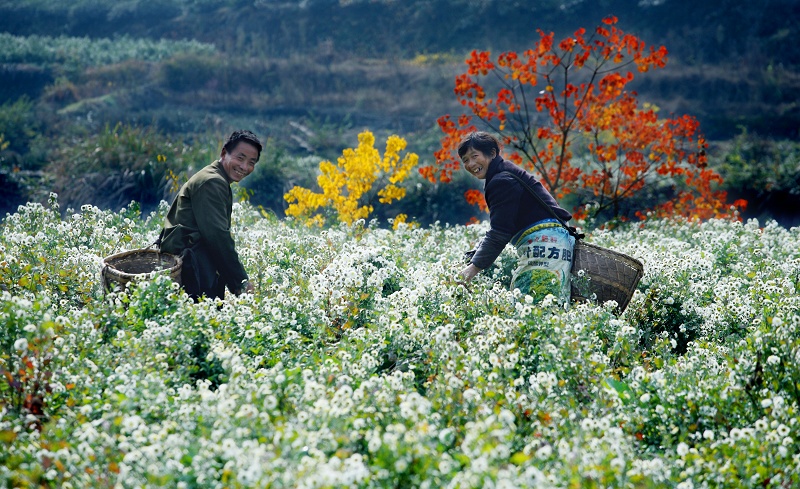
{"x":570,"y":229}
{"x":157,"y":243}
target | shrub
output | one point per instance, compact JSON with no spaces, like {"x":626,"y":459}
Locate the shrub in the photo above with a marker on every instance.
{"x":563,"y":111}
{"x":72,"y":54}
{"x":350,"y":188}
{"x":18,"y":125}
{"x":121,"y":164}
{"x":764,"y":172}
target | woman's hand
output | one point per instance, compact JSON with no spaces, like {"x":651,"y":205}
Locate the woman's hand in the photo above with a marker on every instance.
{"x":469,"y":271}
{"x":247,"y":288}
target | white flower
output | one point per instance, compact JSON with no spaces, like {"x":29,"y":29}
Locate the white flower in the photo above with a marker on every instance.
{"x":374,"y":443}
{"x":645,"y":398}
{"x":682,"y":449}
{"x":773,"y":360}
{"x":21,"y":344}
{"x":506,"y":416}
{"x":471,"y":395}
{"x":544,"y":452}
{"x":446,"y":436}
{"x":708,"y":435}
{"x":776,"y":322}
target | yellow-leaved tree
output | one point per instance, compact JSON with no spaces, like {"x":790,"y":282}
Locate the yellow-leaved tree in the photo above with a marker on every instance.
{"x":350,"y":186}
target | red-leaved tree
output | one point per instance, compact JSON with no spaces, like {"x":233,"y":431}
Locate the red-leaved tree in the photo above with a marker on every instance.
{"x":562,"y":111}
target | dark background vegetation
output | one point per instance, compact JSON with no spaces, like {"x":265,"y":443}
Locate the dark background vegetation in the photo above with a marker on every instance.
{"x":103,"y":128}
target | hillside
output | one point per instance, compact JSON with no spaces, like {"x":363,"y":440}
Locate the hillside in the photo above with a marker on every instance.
{"x":730,"y":61}
{"x":309,"y":75}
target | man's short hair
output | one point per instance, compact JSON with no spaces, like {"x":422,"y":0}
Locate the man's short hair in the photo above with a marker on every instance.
{"x":242,"y":135}
{"x":482,"y":141}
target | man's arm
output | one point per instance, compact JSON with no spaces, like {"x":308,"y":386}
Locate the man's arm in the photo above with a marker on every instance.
{"x":210,"y":205}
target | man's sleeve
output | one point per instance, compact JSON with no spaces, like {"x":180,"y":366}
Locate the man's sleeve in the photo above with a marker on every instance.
{"x":503,"y":196}
{"x":210,"y":206}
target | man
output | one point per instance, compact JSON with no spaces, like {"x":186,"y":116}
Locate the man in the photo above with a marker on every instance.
{"x":198,"y":224}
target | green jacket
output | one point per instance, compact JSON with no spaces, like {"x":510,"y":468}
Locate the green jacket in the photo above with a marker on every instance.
{"x":201,"y":213}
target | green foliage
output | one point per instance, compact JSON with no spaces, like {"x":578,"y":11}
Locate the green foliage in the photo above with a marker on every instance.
{"x":124,"y":163}
{"x":765,"y":172}
{"x":183,"y":341}
{"x":665,"y":317}
{"x":212,"y":72}
{"x":76,"y":53}
{"x":190,"y":72}
{"x":360,"y":360}
{"x":27,"y":351}
{"x":428,"y":204}
{"x":276,"y":172}
{"x":40,"y":250}
{"x":760,"y":165}
{"x":18,"y":126}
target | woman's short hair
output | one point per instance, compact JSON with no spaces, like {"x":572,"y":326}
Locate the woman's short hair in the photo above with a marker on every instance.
{"x":482,"y":141}
{"x":239,"y":136}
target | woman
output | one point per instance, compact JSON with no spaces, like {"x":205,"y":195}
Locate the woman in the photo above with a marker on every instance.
{"x":517,"y":216}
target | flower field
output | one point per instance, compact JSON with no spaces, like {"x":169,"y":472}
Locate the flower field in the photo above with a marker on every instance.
{"x":360,"y":362}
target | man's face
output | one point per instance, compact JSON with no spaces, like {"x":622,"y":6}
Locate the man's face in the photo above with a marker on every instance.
{"x":240,"y":162}
{"x":476,"y":163}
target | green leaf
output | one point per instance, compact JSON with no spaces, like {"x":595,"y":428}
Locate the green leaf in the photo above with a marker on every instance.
{"x":7,"y":436}
{"x":519,"y":458}
{"x":622,"y":389}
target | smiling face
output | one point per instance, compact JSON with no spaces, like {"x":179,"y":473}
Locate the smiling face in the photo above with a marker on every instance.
{"x":240,"y":162}
{"x":477,"y":163}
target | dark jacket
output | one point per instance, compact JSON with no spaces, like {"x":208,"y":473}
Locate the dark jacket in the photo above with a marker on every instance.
{"x":512,"y":208}
{"x":200,"y":219}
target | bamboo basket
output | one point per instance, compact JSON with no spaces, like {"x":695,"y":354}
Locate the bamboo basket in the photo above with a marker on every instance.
{"x":129,"y":266}
{"x":612,"y":275}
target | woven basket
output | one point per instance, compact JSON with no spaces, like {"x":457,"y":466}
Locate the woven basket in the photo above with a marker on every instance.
{"x":129,"y":266}
{"x":612,"y":275}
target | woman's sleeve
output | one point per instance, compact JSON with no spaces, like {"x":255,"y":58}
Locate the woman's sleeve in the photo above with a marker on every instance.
{"x":503,"y":196}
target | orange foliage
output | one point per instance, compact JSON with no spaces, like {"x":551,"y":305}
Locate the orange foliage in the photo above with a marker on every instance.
{"x":475,"y":197}
{"x":558,"y":94}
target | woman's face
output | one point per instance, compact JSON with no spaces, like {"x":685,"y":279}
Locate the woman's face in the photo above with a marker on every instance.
{"x":477,"y":163}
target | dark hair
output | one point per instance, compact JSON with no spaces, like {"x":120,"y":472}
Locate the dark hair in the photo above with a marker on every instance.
{"x":482,"y":141}
{"x":239,"y":136}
